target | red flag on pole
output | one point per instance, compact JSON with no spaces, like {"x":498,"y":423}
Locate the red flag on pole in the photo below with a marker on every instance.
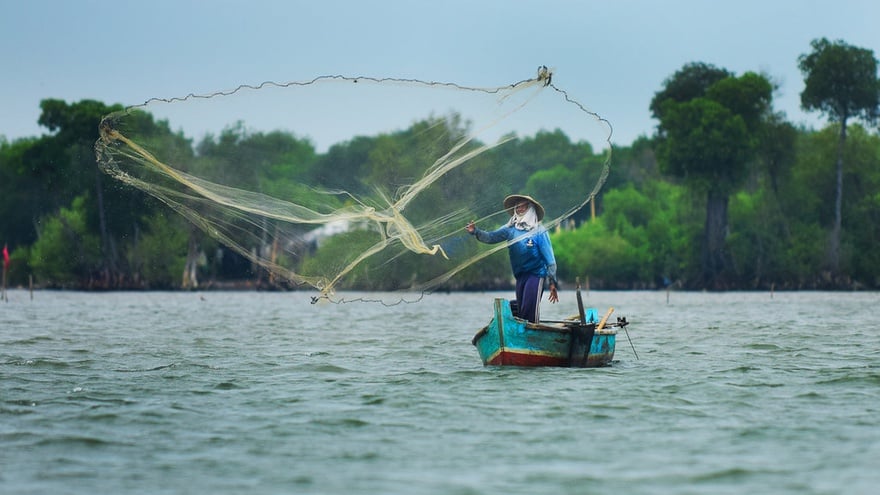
{"x":5,"y":257}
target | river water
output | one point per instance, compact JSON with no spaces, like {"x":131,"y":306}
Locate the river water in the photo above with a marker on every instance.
{"x":264,"y":393}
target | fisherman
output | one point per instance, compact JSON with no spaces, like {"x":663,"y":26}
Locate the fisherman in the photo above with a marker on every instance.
{"x":531,"y":254}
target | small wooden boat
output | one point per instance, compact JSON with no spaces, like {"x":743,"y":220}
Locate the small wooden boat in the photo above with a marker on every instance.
{"x":582,"y":341}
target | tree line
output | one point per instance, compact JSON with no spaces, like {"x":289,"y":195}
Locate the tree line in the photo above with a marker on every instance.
{"x":726,"y":194}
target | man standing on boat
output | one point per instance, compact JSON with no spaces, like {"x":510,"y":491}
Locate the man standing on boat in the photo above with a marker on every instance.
{"x":531,"y":254}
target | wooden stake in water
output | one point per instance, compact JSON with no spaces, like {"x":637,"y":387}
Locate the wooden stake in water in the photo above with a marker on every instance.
{"x":580,"y":302}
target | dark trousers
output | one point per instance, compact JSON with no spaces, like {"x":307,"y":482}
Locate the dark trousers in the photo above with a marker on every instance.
{"x":529,"y":289}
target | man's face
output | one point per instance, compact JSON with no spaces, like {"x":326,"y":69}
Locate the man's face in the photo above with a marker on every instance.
{"x":521,"y":207}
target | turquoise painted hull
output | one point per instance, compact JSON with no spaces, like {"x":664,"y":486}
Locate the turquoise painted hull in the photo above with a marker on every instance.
{"x":511,"y":341}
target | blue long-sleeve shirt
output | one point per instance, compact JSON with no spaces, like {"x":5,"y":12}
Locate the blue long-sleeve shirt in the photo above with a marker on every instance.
{"x":530,"y":251}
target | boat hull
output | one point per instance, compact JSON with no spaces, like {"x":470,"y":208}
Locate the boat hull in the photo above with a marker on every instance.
{"x":511,"y":341}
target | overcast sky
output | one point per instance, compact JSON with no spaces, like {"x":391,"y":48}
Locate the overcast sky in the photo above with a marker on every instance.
{"x":612,"y":55}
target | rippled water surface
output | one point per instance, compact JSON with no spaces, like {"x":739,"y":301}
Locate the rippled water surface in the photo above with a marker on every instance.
{"x":242,"y":392}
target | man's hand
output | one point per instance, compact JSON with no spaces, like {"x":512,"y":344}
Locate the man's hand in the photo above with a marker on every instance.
{"x":554,"y":296}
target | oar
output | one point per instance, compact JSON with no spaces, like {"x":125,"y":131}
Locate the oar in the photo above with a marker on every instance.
{"x":605,"y":318}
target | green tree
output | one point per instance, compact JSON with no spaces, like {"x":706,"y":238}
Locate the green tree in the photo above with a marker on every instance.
{"x":341,"y":166}
{"x":567,"y":182}
{"x":22,"y":198}
{"x":660,"y":223}
{"x":759,"y":226}
{"x":274,"y":163}
{"x":635,"y":164}
{"x":65,"y":163}
{"x":527,"y":155}
{"x":558,"y":187}
{"x":66,"y":252}
{"x":709,"y":123}
{"x":243,"y":159}
{"x":159,"y":256}
{"x":691,"y":81}
{"x":860,"y":259}
{"x":41,"y":175}
{"x":594,"y":252}
{"x":133,"y":215}
{"x":840,"y":82}
{"x":777,"y":149}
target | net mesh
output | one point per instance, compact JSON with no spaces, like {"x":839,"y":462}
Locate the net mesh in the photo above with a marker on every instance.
{"x":384,"y":209}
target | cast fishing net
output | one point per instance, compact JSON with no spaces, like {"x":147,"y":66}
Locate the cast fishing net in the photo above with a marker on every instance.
{"x":381,"y":202}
